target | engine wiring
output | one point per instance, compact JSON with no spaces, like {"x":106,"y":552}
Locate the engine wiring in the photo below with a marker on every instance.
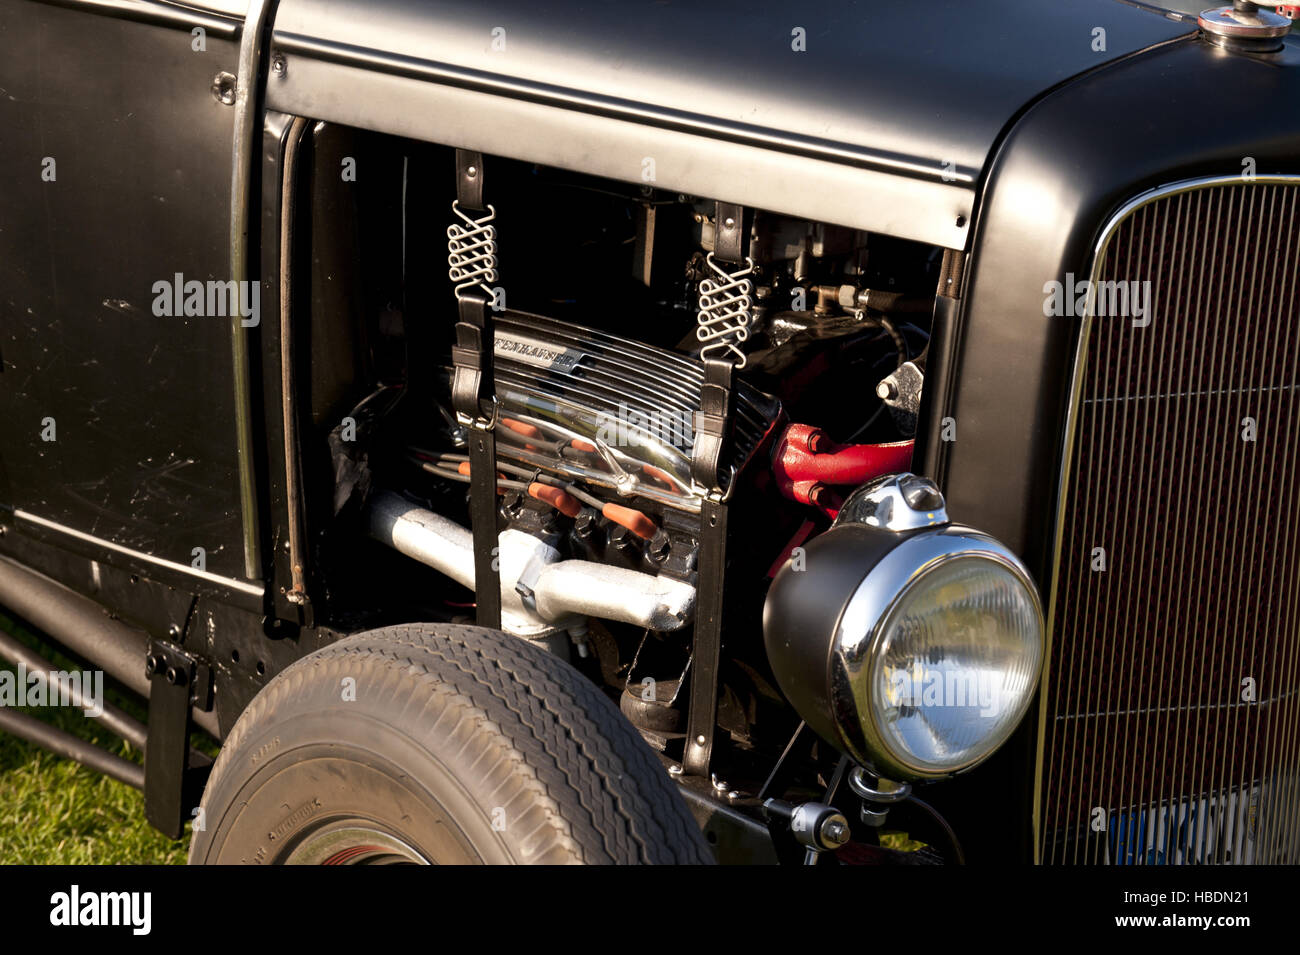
{"x":536,"y":484}
{"x":426,"y":460}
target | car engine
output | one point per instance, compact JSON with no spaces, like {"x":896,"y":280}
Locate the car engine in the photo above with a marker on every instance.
{"x":598,"y":374}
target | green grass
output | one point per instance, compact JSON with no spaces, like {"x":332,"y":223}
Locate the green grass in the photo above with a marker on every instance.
{"x":54,"y":811}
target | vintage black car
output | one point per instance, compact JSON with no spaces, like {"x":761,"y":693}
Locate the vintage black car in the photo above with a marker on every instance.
{"x":856,"y":432}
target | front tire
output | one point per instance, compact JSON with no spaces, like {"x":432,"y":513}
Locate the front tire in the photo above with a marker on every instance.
{"x":439,"y":744}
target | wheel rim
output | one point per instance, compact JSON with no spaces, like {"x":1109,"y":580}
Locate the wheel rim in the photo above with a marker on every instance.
{"x":353,"y":843}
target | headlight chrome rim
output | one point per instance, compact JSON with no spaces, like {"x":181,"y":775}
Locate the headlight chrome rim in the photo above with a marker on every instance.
{"x":861,"y":628}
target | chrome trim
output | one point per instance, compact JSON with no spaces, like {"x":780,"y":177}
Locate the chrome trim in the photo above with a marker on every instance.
{"x":895,"y":502}
{"x":889,"y":791}
{"x":244,"y":153}
{"x":217,"y":22}
{"x":243,"y":586}
{"x":861,"y":627}
{"x":1071,"y":425}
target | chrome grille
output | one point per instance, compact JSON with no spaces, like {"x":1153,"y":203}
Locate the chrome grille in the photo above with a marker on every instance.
{"x":1170,"y":722}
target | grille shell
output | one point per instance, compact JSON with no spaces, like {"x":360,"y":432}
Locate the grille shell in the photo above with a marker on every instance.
{"x":1148,"y":752}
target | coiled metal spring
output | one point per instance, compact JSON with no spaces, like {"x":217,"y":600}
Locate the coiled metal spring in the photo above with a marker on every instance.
{"x":725,"y":303}
{"x":471,"y":251}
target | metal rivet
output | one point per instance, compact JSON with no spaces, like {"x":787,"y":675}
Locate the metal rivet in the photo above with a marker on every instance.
{"x":223,"y":88}
{"x":729,"y":222}
{"x":701,"y":740}
{"x":278,"y":65}
{"x":472,"y":171}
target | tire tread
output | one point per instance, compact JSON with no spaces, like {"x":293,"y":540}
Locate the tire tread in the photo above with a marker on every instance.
{"x":572,"y":748}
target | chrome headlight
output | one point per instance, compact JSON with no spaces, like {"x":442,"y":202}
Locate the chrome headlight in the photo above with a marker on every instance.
{"x":911,"y":643}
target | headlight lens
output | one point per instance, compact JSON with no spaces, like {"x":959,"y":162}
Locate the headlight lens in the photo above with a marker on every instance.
{"x":910,"y":643}
{"x":954,"y":664}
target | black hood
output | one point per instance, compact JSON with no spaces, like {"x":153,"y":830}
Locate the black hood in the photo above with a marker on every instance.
{"x":906,"y":85}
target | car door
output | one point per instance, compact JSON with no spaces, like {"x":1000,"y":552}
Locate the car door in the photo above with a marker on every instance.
{"x":117,"y":427}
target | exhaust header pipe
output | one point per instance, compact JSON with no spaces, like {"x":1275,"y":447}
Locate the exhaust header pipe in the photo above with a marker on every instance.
{"x":540,"y":593}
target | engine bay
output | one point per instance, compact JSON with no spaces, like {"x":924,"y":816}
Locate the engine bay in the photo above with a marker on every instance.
{"x":598,"y":360}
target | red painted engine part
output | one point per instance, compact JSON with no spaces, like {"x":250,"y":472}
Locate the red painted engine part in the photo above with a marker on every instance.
{"x":809,"y":466}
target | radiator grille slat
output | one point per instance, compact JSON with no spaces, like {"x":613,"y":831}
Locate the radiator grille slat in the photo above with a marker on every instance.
{"x":1171,"y":706}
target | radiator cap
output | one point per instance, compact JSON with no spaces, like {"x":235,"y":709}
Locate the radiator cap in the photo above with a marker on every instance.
{"x":1245,"y":24}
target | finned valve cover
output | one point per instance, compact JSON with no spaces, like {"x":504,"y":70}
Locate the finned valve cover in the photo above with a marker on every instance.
{"x":610,"y":411}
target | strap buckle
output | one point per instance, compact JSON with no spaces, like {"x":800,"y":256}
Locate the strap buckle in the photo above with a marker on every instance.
{"x":478,"y":422}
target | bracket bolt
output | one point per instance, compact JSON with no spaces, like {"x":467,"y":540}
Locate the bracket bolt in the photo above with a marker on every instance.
{"x":836,"y":832}
{"x":223,"y":88}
